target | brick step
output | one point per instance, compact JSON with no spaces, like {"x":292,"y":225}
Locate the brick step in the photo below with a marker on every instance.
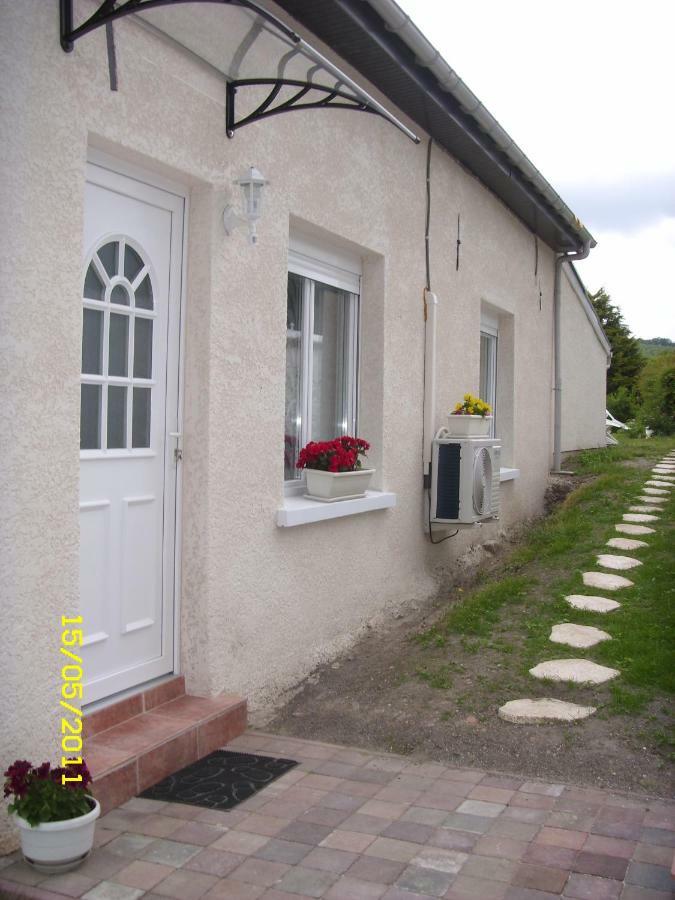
{"x":132,"y":744}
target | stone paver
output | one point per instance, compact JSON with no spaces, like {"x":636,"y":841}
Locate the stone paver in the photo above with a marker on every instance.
{"x":627,"y":528}
{"x":647,"y":498}
{"x":577,"y":635}
{"x":643,"y":509}
{"x":577,"y":671}
{"x":618,"y":563}
{"x":654,"y":490}
{"x":626,"y":544}
{"x":659,"y":482}
{"x":592,"y":604}
{"x":606,"y":582}
{"x":639,"y":517}
{"x":533,"y":712}
{"x":467,"y":834}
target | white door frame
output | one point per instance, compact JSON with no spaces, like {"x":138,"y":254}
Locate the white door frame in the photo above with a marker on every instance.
{"x":145,"y":176}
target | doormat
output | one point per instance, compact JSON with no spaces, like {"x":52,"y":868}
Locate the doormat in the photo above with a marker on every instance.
{"x":220,"y":780}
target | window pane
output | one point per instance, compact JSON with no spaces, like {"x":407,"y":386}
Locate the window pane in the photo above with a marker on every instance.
{"x":488,"y":374}
{"x":144,"y":294}
{"x":92,"y":341}
{"x":118,"y":345}
{"x":140,"y":434}
{"x":293,"y":377}
{"x":90,"y":417}
{"x":330,"y":376}
{"x":143,"y":348}
{"x":94,"y":289}
{"x":108,"y":256}
{"x":117,"y":417}
{"x":132,"y":263}
{"x":120,"y":295}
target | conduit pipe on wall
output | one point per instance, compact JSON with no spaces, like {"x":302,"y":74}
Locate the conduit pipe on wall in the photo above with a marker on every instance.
{"x":429,"y":428}
{"x":557,"y":368}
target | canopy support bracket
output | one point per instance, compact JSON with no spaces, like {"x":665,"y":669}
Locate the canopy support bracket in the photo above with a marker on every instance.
{"x":332,"y":99}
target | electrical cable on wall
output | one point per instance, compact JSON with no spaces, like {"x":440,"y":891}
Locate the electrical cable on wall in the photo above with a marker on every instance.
{"x":427,"y":481}
{"x":459,"y":244}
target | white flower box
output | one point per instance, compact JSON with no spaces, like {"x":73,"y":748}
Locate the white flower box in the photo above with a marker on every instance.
{"x":328,"y":487}
{"x":469,"y":426}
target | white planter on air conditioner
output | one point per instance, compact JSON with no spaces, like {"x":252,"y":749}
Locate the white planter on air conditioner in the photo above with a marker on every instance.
{"x":55,"y":847}
{"x":469,"y":426}
{"x":332,"y":486}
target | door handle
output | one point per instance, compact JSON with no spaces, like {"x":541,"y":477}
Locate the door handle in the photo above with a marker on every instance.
{"x":178,"y":450}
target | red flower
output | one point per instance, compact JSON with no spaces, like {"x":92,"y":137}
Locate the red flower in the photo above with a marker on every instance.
{"x":342,"y":454}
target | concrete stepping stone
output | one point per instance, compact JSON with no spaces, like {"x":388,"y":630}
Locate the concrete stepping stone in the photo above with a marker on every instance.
{"x":639,"y":517}
{"x":539,"y":712}
{"x":625,"y":528}
{"x":619,"y":563}
{"x":657,"y":482}
{"x":649,"y":499}
{"x":577,"y":635}
{"x":626,"y":544}
{"x":576,"y":671}
{"x":664,"y":472}
{"x":592,"y":604}
{"x":605,"y":581}
{"x":643,"y":509}
{"x":654,"y":491}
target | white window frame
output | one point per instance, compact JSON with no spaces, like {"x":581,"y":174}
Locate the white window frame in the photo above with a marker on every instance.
{"x":491,"y":332}
{"x":342,"y":270}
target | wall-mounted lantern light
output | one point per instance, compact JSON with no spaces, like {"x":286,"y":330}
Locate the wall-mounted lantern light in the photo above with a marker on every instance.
{"x":251,"y":184}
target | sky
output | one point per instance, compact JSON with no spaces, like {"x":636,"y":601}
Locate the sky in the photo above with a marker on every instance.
{"x":587,"y":92}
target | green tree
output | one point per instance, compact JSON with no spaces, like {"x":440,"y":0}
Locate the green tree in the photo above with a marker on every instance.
{"x":627,"y":359}
{"x":656,"y":388}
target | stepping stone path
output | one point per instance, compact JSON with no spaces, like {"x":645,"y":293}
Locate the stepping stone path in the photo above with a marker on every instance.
{"x":633,"y":529}
{"x":592,"y":604}
{"x":626,"y":544}
{"x":538,"y":712}
{"x":606,"y":582}
{"x":577,"y":671}
{"x":619,"y":563}
{"x":582,"y":671}
{"x":577,"y":635}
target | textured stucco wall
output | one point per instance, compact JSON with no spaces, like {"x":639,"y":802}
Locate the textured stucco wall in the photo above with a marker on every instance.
{"x":260,"y":605}
{"x":584,"y":374}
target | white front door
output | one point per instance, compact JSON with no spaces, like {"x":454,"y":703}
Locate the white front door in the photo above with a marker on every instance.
{"x":131,"y":290}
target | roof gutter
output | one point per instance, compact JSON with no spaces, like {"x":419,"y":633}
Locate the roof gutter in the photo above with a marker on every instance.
{"x":427,"y":56}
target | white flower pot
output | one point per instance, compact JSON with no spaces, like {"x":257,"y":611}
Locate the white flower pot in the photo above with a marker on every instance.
{"x":469,"y":426}
{"x":55,"y":847}
{"x":331,"y":486}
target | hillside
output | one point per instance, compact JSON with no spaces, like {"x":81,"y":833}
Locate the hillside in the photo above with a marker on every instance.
{"x":653,"y":346}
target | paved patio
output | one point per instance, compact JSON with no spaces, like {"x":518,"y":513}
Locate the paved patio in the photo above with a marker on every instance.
{"x":352,"y":825}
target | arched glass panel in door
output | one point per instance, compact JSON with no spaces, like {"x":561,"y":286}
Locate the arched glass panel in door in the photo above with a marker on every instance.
{"x":117,"y":349}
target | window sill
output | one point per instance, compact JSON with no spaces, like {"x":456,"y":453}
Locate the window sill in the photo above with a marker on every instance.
{"x":299,"y":510}
{"x":509,"y":474}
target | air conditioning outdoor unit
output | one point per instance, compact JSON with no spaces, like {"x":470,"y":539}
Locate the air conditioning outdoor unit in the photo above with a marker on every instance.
{"x":464,"y":479}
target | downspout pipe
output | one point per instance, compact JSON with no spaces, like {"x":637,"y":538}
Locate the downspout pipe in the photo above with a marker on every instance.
{"x":557,"y":363}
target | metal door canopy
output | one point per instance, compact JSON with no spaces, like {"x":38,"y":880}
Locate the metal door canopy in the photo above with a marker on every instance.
{"x":268,"y":68}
